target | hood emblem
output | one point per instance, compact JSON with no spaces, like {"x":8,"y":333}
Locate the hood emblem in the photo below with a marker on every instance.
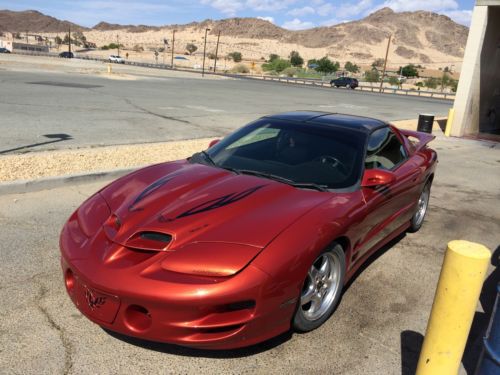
{"x":94,"y":301}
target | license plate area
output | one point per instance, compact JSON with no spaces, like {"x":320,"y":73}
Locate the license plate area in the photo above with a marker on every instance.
{"x":94,"y":303}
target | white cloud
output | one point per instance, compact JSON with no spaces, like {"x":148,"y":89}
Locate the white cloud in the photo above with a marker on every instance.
{"x":325,"y":9}
{"x":228,"y":7}
{"x":350,"y":10}
{"x":412,"y":5}
{"x":268,"y":5}
{"x":462,"y":17}
{"x":267,"y":18}
{"x":298,"y":12}
{"x":297,"y":24}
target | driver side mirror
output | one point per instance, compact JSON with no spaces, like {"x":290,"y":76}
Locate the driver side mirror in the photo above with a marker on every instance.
{"x":213,"y":143}
{"x":377,"y":177}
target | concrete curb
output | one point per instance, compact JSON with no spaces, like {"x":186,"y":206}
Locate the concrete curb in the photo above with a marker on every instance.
{"x":29,"y":186}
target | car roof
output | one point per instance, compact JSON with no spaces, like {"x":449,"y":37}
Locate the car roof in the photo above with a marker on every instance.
{"x":364,"y":124}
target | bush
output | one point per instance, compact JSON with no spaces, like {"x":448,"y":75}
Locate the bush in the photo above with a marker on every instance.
{"x":431,"y":83}
{"x":273,"y":57}
{"x":211,"y":56}
{"x":324,"y":65}
{"x":138,"y":48}
{"x":409,"y":71}
{"x":393,"y":81}
{"x":291,"y":71}
{"x":296,"y":59}
{"x":235,"y":56}
{"x":191,"y":48}
{"x":277,"y":65}
{"x":378,"y":63}
{"x":372,"y":75}
{"x":240,"y":68}
{"x":350,"y":67}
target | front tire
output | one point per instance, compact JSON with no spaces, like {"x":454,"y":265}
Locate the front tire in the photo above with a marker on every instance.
{"x":321,"y":290}
{"x":423,"y":202}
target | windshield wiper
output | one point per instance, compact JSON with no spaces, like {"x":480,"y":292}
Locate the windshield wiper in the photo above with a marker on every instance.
{"x":300,"y":185}
{"x":208,"y":158}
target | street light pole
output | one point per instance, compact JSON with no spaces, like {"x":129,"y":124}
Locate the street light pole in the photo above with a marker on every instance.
{"x":204,"y":52}
{"x":173,"y":46}
{"x":216,"y":51}
{"x":385,"y":63}
{"x":69,"y":44}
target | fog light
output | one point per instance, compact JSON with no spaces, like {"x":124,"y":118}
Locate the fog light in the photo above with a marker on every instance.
{"x":137,"y":318}
{"x":69,"y":280}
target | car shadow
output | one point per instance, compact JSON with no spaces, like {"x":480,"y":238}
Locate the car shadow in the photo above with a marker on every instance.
{"x":206,"y":353}
{"x":411,"y":341}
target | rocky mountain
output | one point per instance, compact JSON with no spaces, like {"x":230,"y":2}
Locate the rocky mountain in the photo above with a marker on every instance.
{"x":34,"y":22}
{"x":418,"y":36}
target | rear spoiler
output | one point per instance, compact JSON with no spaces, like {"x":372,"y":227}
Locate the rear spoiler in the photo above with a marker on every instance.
{"x":423,"y":138}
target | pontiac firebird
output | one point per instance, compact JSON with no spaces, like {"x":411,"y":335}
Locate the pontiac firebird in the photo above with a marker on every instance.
{"x":253,"y":237}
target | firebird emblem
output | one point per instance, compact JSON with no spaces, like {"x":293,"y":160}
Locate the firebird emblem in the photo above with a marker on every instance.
{"x":93,"y":301}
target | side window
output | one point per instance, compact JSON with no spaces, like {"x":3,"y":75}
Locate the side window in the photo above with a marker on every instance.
{"x":384,"y":150}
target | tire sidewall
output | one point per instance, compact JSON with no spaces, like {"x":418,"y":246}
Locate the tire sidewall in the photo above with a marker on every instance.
{"x":299,"y":322}
{"x":414,"y":226}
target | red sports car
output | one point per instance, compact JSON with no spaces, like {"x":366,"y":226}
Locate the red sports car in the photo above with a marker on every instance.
{"x":254,"y":236}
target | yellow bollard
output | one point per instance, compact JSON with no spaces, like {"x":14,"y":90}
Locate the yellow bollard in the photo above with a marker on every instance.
{"x":464,"y":268}
{"x":449,"y":122}
{"x":109,"y":69}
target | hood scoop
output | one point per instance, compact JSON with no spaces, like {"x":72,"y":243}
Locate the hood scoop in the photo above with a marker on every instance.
{"x":149,"y":240}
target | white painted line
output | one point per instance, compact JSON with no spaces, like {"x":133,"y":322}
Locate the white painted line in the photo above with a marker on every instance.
{"x":206,"y":109}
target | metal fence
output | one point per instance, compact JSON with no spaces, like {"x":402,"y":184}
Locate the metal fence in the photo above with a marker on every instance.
{"x":287,"y":80}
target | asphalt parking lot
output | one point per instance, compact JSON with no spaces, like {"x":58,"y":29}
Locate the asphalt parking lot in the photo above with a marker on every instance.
{"x":45,"y":109}
{"x":377,"y":328}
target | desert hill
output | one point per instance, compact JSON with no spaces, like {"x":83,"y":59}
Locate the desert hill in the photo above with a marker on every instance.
{"x":419,"y":37}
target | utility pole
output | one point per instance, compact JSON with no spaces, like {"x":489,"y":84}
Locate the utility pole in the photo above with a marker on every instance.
{"x":118,"y":43}
{"x":204,"y":52}
{"x":216,"y":51}
{"x":173,"y":46}
{"x":385,"y":62}
{"x":69,"y":43}
{"x":27,"y":42}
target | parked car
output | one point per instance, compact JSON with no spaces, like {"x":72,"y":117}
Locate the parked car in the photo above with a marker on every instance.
{"x":116,"y":59}
{"x":256,"y":235}
{"x":4,"y":50}
{"x":345,"y":82}
{"x":67,"y":55}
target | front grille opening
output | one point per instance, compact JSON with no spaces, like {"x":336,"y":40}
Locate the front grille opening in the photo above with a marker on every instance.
{"x":241,"y":305}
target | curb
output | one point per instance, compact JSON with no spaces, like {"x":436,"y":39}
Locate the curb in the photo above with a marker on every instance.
{"x":46,"y":183}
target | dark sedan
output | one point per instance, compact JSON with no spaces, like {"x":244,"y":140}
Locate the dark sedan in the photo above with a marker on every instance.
{"x":346,"y":82}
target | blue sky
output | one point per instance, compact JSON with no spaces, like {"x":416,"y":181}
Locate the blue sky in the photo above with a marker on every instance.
{"x":291,"y":14}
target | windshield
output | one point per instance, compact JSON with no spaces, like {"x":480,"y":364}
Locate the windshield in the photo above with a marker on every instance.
{"x":303,"y":154}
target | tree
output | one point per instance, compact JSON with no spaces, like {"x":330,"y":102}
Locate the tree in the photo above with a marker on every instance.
{"x":277,"y":65}
{"x":350,"y":67}
{"x":378,"y":63}
{"x":409,"y":71}
{"x":273,"y":57}
{"x":58,"y":40}
{"x":191,"y":48}
{"x":431,"y":83}
{"x":393,"y":81}
{"x":235,"y":56}
{"x":372,"y":75}
{"x":296,"y":59}
{"x":325,"y":65}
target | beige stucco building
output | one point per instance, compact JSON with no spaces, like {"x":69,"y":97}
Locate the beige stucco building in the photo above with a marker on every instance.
{"x":477,"y":103}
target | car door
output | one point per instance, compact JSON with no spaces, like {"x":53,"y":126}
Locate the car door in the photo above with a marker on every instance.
{"x":391,"y":206}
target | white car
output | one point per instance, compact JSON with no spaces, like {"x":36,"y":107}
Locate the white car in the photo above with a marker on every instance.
{"x":116,"y":59}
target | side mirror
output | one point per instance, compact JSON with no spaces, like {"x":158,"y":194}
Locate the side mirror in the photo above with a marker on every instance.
{"x":377,"y":177}
{"x":213,"y":143}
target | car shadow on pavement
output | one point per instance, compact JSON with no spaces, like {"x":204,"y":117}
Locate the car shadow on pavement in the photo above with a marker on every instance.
{"x":206,"y":353}
{"x":411,"y":342}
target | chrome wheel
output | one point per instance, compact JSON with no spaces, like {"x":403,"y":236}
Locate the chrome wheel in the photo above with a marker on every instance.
{"x":423,"y":202}
{"x":321,"y":286}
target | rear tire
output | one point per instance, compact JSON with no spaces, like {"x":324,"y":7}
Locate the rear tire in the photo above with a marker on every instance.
{"x":423,"y":202}
{"x":321,"y":291}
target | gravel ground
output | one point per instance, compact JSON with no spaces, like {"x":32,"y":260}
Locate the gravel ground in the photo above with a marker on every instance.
{"x":36,"y":165}
{"x":63,"y":162}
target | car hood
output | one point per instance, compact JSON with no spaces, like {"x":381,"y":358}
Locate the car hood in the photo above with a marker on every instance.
{"x":196,"y":203}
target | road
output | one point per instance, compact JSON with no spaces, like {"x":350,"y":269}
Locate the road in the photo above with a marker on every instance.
{"x":377,"y":328}
{"x":43,"y":110}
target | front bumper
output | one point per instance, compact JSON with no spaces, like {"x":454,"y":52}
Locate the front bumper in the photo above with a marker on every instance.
{"x":148,"y":302}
